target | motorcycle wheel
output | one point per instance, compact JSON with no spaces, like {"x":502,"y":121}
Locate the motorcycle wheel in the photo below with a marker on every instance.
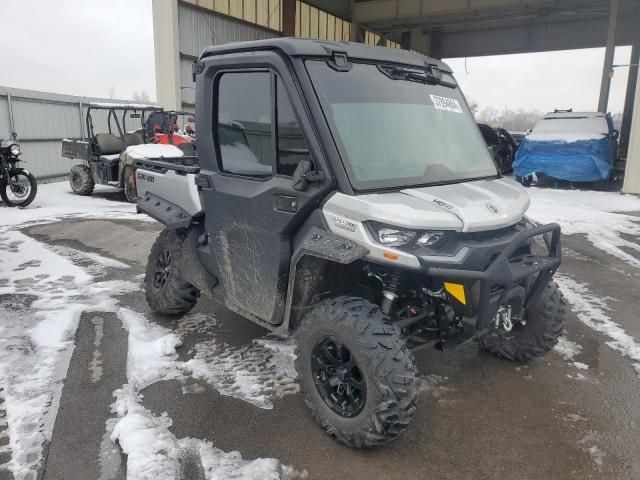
{"x":18,"y":188}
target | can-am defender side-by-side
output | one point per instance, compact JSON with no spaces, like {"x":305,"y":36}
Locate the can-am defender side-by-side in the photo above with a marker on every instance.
{"x":109,"y":156}
{"x":344,"y":195}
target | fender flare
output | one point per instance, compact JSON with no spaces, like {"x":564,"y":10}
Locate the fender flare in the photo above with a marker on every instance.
{"x":322,"y":245}
{"x":165,"y":212}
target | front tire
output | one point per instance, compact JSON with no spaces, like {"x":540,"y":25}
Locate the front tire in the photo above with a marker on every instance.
{"x":356,"y":372}
{"x":81,"y":180}
{"x":544,"y":324}
{"x":166,"y":291}
{"x":18,"y":189}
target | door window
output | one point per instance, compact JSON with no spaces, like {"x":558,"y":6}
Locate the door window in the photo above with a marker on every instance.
{"x":245,"y":123}
{"x":245,"y":132}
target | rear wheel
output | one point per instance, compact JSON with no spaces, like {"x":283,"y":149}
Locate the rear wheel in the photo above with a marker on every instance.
{"x":357,"y":375}
{"x":81,"y":180}
{"x":129,"y":180}
{"x":543,"y":325}
{"x":166,"y":291}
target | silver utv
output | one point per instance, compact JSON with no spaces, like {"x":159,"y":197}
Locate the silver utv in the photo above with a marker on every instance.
{"x":344,"y":195}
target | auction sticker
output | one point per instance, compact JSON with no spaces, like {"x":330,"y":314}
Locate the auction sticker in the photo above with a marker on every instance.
{"x":446,"y":103}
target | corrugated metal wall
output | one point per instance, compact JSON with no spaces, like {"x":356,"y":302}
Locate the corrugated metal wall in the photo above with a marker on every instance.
{"x":200,"y":28}
{"x":42,"y":120}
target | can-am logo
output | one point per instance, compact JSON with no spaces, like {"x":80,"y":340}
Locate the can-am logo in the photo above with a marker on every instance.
{"x":492,"y":208}
{"x":442,"y":204}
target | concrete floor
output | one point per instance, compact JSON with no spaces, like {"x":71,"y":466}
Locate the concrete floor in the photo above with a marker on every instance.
{"x":478,"y":417}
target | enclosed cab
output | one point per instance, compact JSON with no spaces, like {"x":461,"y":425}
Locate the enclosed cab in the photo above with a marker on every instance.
{"x":344,"y":195}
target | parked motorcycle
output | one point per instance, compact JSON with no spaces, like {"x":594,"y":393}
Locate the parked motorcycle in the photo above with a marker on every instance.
{"x":17,"y":186}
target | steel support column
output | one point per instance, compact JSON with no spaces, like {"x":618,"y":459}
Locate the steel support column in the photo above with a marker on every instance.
{"x":605,"y":84}
{"x":288,"y":18}
{"x":167,"y":53}
{"x":632,"y":171}
{"x":625,"y":128}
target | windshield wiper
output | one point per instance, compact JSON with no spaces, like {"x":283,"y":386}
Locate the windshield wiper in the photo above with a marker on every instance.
{"x":431,"y":75}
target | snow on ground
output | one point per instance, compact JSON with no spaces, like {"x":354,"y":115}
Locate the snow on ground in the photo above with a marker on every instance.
{"x":256,"y":373}
{"x":56,"y":201}
{"x":36,"y":342}
{"x":594,"y":214}
{"x":592,"y":311}
{"x":567,"y":349}
{"x":43,"y":292}
{"x":153,"y":452}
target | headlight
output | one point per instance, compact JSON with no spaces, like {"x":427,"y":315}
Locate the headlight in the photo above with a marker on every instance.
{"x":428,"y":239}
{"x":394,"y":237}
{"x":15,"y":149}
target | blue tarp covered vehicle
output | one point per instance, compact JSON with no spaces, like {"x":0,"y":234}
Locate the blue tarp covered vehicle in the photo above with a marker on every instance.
{"x":576,"y":147}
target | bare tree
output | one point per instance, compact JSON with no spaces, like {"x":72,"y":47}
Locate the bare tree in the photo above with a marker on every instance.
{"x":514,"y":120}
{"x":141,"y":97}
{"x":111,"y":91}
{"x":473,"y":106}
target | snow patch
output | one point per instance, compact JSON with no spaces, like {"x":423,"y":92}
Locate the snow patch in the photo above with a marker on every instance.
{"x":151,"y":352}
{"x":153,"y":452}
{"x":567,"y":349}
{"x":591,"y":310}
{"x":594,"y":214}
{"x":249,"y":373}
{"x":257,"y":373}
{"x":153,"y":150}
{"x":589,"y":445}
{"x":573,"y":127}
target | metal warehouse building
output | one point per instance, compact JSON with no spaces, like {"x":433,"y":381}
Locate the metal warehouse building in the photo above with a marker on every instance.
{"x":438,"y":28}
{"x":42,"y":120}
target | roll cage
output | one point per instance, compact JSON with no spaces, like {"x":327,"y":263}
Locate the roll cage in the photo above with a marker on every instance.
{"x":117,"y":119}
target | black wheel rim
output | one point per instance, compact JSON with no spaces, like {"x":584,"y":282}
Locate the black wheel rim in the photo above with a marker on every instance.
{"x":338,"y":377}
{"x":161,"y":269}
{"x":18,"y":188}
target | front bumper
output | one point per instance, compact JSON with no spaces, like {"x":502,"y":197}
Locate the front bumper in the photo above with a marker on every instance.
{"x":507,"y":273}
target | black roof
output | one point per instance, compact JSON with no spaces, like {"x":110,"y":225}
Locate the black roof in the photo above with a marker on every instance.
{"x":307,"y":47}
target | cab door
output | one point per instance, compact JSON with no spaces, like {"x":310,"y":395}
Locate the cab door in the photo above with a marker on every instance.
{"x":252,"y":209}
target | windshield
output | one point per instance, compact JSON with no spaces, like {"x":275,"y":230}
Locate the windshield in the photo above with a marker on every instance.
{"x":397,"y":132}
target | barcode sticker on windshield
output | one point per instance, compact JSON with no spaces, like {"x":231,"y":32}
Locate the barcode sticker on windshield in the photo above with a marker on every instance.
{"x":446,"y":103}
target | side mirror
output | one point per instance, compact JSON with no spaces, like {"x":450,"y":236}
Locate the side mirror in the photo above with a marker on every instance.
{"x":615,"y":135}
{"x":304,"y":175}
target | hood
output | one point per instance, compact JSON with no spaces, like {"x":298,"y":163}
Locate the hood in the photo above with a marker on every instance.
{"x":480,"y":205}
{"x":461,"y":207}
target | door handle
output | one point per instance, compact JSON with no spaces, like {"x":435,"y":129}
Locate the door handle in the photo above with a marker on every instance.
{"x":286,"y":203}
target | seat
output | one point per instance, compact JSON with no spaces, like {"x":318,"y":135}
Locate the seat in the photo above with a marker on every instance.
{"x":110,"y":160}
{"x":109,"y":143}
{"x":133,"y":139}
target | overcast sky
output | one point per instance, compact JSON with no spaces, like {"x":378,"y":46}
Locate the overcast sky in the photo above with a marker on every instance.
{"x":78,"y":47}
{"x":87,"y":47}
